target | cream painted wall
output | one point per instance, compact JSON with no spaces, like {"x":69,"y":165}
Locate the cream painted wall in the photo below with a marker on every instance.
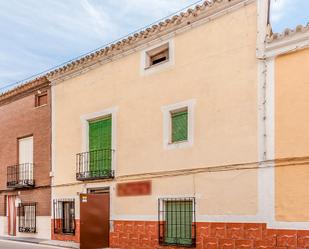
{"x":292,"y":108}
{"x":215,"y":65}
{"x":217,"y":193}
{"x":3,"y":225}
{"x":291,"y":135}
{"x":42,"y":226}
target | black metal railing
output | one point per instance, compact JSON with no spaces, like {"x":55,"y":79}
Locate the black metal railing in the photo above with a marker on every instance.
{"x":96,"y":164}
{"x":20,"y":176}
{"x":177,"y":224}
{"x":27,"y":217}
{"x":64,"y":216}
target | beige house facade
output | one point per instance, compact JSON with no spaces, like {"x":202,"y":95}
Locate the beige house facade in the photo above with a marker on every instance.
{"x":170,"y":137}
{"x":287,"y":56}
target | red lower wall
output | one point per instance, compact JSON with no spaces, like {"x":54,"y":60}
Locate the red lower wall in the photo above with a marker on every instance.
{"x":209,"y":235}
{"x":66,"y":237}
{"x":144,"y":235}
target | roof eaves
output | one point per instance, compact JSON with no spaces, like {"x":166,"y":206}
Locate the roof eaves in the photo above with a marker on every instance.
{"x":156,"y":30}
{"x":291,"y":40}
{"x":287,"y":33}
{"x":23,"y":89}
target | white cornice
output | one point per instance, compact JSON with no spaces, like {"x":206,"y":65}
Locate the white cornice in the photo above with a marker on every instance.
{"x":287,"y":45}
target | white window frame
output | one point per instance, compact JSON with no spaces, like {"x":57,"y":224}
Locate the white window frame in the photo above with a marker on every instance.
{"x":85,"y":129}
{"x":146,"y":69}
{"x":167,"y":128}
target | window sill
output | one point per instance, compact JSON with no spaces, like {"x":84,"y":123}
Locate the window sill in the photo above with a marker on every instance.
{"x":65,"y":234}
{"x":177,"y":245}
{"x":37,"y":107}
{"x":179,"y":142}
{"x":179,"y":145}
{"x":156,"y":65}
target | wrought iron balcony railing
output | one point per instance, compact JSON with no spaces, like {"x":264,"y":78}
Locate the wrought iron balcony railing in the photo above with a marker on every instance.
{"x":20,"y":176}
{"x":96,"y":164}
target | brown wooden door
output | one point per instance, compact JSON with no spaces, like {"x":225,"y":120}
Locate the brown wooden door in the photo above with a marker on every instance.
{"x":11,"y":212}
{"x":94,"y":221}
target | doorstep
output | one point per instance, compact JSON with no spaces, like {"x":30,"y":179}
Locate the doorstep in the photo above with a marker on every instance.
{"x":59,"y":243}
{"x":65,"y":244}
{"x":22,"y":239}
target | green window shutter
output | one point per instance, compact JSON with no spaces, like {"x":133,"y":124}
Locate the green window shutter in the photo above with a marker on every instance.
{"x":178,"y":222}
{"x":100,"y":144}
{"x":100,"y":134}
{"x":179,"y":126}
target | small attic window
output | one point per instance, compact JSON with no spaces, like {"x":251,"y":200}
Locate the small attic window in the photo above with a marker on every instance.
{"x":41,"y":99}
{"x":157,"y":55}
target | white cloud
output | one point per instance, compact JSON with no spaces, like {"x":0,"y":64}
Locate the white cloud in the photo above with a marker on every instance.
{"x":279,"y":8}
{"x":37,"y":35}
{"x":101,"y":21}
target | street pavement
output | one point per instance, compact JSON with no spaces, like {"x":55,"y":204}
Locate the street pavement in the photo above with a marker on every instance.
{"x":22,"y":245}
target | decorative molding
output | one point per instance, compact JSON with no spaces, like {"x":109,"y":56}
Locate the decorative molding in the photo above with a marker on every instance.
{"x":288,"y":44}
{"x":171,"y":60}
{"x":24,"y":90}
{"x":201,"y":14}
{"x":189,"y":104}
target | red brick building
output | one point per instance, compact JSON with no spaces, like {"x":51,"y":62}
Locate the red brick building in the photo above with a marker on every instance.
{"x":25,"y":160}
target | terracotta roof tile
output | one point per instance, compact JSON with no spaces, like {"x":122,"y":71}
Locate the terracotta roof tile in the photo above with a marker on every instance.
{"x":184,"y":18}
{"x":24,"y":88}
{"x":288,"y":33}
{"x":162,"y":27}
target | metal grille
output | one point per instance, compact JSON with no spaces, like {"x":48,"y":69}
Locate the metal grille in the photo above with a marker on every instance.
{"x":94,"y":164}
{"x":27,"y":217}
{"x":19,"y":176}
{"x":177,"y":224}
{"x":64,"y":216}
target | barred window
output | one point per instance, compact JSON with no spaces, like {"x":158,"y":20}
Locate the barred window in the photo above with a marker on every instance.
{"x":64,"y":216}
{"x":27,"y":217}
{"x":177,"y":222}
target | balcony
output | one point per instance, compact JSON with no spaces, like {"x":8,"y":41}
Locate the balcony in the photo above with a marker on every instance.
{"x":20,"y":176}
{"x":94,"y":165}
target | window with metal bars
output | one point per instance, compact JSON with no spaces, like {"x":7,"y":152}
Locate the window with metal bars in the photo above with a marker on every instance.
{"x":177,"y":224}
{"x":64,"y":216}
{"x":27,"y":217}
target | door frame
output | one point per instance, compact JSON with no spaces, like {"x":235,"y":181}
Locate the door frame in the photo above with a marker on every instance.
{"x":99,"y":190}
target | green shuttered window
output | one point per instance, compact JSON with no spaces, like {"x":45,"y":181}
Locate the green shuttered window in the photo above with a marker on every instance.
{"x":100,"y":142}
{"x":179,"y":126}
{"x":100,"y":134}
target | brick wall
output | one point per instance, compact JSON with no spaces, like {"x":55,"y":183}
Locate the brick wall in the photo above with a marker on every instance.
{"x":20,"y":118}
{"x":32,"y":195}
{"x":144,"y":235}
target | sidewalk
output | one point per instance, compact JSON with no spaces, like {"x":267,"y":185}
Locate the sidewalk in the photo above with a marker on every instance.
{"x":57,"y":243}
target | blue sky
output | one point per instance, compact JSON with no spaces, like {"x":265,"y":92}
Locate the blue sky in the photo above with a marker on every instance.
{"x":37,"y":35}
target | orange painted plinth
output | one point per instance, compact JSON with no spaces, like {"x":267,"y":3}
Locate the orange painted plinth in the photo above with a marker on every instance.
{"x":66,"y":237}
{"x":144,"y":235}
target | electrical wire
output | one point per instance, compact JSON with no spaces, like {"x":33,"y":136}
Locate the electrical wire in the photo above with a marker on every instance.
{"x":7,"y":87}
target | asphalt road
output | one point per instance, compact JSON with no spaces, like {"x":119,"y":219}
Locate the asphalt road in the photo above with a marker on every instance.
{"x":22,"y":245}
